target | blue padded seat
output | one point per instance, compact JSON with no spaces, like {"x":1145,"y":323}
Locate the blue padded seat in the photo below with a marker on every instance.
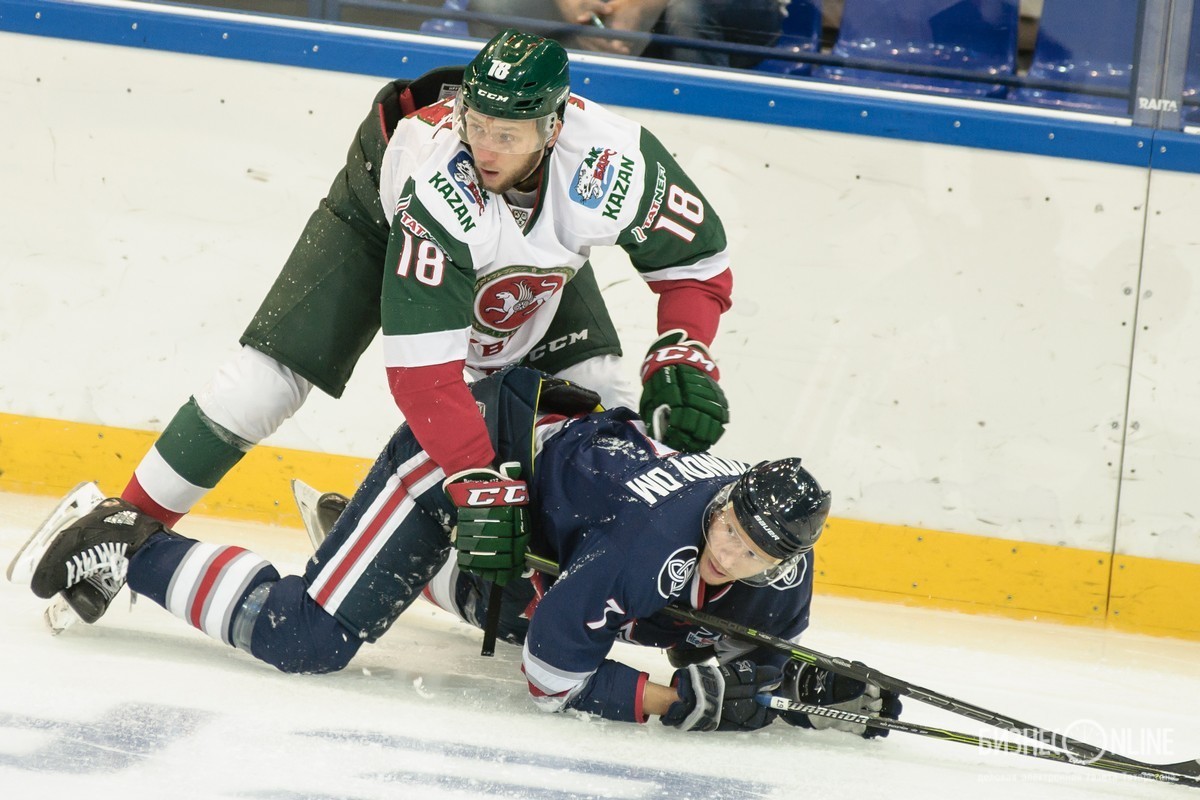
{"x":1088,"y":43}
{"x":978,"y":36}
{"x":801,"y":33}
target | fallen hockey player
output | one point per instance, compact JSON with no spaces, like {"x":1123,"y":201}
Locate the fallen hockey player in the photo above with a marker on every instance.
{"x":633,"y":526}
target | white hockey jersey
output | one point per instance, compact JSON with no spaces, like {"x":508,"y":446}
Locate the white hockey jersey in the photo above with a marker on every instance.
{"x":470,"y":276}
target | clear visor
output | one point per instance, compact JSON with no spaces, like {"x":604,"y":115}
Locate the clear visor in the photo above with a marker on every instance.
{"x":515,"y":136}
{"x":732,"y":551}
{"x":778,"y":572}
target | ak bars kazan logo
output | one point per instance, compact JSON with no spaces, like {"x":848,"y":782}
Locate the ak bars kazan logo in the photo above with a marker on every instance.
{"x":594,"y":176}
{"x":506,"y":299}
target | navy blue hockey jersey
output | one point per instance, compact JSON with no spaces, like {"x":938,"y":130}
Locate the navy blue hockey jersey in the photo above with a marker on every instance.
{"x":624,"y":518}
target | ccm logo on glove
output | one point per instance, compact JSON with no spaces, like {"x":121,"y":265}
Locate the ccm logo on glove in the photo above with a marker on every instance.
{"x":691,"y":353}
{"x":682,"y":403}
{"x":491,"y":493}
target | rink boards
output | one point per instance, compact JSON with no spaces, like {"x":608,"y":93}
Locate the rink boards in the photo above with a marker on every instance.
{"x":976,"y":324}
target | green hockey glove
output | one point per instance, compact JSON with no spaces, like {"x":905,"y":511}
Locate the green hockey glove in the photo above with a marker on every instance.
{"x":493,"y":521}
{"x":682,"y":403}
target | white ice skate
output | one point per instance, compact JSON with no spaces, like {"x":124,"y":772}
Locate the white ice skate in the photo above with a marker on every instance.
{"x":79,"y":501}
{"x":318,"y":511}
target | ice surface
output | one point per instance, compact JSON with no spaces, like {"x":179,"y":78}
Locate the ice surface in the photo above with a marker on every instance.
{"x":142,"y":706}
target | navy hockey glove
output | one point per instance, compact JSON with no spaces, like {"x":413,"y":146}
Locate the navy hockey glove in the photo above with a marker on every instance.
{"x":819,"y":687}
{"x":721,"y":697}
{"x":683,"y":405}
{"x":493,"y":521}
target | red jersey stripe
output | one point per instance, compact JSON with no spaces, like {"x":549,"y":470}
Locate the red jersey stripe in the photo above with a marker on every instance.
{"x":372,"y":530}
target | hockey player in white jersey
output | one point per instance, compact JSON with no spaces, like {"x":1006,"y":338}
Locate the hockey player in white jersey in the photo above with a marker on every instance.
{"x":462,"y":225}
{"x":487,"y":230}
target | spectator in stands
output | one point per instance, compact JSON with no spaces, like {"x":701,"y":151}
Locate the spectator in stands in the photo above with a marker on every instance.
{"x":756,"y":22}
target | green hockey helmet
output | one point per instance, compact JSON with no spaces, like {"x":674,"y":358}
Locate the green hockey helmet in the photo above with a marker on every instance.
{"x":517,"y":77}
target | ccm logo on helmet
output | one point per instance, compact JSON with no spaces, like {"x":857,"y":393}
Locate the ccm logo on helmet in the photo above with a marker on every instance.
{"x":499,"y":98}
{"x":507,"y":495}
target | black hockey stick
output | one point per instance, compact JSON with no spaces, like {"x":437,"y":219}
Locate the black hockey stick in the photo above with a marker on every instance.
{"x":1080,"y":751}
{"x":1188,"y":771}
{"x":492,"y":622}
{"x":1161,"y":773}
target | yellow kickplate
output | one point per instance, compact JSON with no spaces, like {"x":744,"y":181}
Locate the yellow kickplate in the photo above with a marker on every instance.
{"x":1150,"y":595}
{"x":45,"y":456}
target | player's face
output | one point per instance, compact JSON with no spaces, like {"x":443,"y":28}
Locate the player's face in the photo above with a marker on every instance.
{"x":505,"y":151}
{"x":499,"y":172}
{"x":729,"y":554}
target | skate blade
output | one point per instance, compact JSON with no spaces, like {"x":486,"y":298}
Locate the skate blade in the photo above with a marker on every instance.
{"x":78,"y":502}
{"x":59,"y":615}
{"x":306,"y":498}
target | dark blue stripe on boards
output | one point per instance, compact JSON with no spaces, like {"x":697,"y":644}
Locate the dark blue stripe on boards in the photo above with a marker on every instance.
{"x":713,"y":93}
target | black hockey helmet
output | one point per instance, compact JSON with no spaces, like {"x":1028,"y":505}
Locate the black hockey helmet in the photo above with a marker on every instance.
{"x":781,"y":506}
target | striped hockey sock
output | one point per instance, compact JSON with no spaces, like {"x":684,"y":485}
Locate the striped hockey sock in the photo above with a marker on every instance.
{"x":188,"y":460}
{"x":203,"y":584}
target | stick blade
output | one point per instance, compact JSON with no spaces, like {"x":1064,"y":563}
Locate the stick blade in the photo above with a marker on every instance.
{"x":59,"y":615}
{"x":1188,"y":769}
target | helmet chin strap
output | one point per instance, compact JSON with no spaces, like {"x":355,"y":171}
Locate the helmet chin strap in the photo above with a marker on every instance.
{"x":541,"y":161}
{"x":533,"y":176}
